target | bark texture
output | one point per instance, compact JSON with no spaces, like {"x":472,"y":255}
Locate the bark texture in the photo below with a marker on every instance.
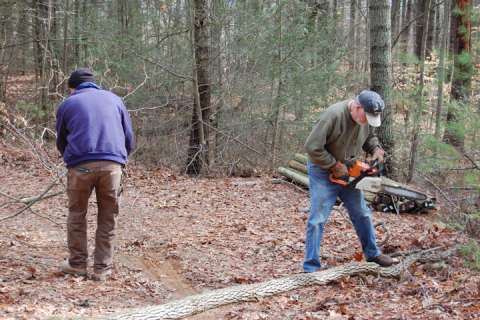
{"x":380,"y":69}
{"x":199,"y":136}
{"x":251,"y":292}
{"x":461,"y":30}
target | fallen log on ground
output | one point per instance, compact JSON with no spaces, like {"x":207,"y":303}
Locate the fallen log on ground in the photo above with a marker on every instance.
{"x":250,"y":292}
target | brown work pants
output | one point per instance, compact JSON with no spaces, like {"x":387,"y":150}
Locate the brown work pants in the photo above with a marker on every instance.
{"x":105,"y":178}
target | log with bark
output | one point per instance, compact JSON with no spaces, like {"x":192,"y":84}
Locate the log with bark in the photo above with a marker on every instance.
{"x":250,"y":292}
{"x":294,"y":164}
{"x":295,"y":175}
{"x":301,"y":158}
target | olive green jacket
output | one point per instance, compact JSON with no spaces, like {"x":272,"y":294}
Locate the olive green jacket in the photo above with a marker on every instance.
{"x":336,"y":137}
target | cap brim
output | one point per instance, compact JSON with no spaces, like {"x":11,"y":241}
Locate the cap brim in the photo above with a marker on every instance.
{"x":373,"y":119}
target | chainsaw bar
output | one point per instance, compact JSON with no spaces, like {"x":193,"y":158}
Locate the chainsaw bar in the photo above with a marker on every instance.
{"x":402,"y":192}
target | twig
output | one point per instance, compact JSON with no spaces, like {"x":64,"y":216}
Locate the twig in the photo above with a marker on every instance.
{"x":8,"y":196}
{"x":409,"y":23}
{"x":476,"y":166}
{"x":148,"y":108}
{"x":438,"y":189}
{"x":162,"y":67}
{"x":44,"y":217}
{"x":233,"y":138}
{"x":36,"y":198}
{"x":385,"y":230}
{"x":140,"y":85}
{"x":409,"y":252}
{"x":32,"y":202}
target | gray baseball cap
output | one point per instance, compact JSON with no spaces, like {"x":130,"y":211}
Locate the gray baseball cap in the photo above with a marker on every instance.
{"x":373,"y":105}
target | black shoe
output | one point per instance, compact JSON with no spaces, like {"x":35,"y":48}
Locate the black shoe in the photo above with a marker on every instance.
{"x":382,"y":260}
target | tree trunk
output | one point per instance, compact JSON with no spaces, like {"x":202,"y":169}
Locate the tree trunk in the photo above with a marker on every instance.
{"x":217,"y":73}
{"x":42,"y":32}
{"x":420,"y":9}
{"x":438,"y":28}
{"x":76,"y":32}
{"x":53,"y":46}
{"x":380,"y":70}
{"x":430,"y":35}
{"x":441,"y":69}
{"x":463,"y":69}
{"x":419,"y":95}
{"x":408,"y":35}
{"x":352,"y":34}
{"x":199,"y":134}
{"x":395,"y":15}
{"x":65,"y":65}
{"x":277,"y":102}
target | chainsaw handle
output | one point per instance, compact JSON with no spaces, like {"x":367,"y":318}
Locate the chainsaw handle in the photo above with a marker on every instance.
{"x":343,"y":180}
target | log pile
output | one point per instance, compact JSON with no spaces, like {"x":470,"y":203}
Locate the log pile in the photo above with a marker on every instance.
{"x":296,"y":170}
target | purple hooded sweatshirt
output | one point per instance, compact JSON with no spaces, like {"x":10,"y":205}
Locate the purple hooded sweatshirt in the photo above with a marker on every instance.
{"x":93,"y":124}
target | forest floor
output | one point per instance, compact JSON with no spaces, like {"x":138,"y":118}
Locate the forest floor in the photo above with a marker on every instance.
{"x":179,"y":236}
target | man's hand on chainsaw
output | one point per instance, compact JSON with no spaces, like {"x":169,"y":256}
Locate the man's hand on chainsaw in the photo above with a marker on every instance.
{"x":339,"y":170}
{"x":378,"y":154}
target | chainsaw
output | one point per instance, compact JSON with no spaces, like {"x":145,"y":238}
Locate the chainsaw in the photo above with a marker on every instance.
{"x":367,"y":177}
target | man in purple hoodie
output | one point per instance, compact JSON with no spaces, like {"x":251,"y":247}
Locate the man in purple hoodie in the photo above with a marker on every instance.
{"x":95,"y":137}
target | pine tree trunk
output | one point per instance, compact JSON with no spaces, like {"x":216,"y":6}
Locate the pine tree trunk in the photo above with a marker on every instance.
{"x":420,"y":9}
{"x":65,"y":43}
{"x":408,"y":35}
{"x":352,"y":34}
{"x":381,"y":61}
{"x":199,"y":134}
{"x":76,"y":32}
{"x":431,"y":29}
{"x":395,"y":15}
{"x":441,"y":69}
{"x":463,"y":69}
{"x":216,"y":45}
{"x":278,"y":96}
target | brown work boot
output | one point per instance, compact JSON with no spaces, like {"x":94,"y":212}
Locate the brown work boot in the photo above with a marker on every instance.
{"x":101,"y":275}
{"x":382,"y":260}
{"x":66,"y":268}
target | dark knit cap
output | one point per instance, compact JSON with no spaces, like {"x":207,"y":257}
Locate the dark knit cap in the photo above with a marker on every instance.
{"x":79,"y":76}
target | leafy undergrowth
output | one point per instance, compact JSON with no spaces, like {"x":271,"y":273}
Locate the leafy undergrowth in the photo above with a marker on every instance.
{"x":179,"y":236}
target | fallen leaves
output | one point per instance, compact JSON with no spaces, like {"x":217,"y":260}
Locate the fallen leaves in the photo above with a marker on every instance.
{"x":214,"y":233}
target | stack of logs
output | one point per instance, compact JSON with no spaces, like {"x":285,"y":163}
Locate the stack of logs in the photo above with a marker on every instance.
{"x":297,"y":170}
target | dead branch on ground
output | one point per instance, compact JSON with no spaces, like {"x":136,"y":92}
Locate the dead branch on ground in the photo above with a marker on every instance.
{"x":251,"y":292}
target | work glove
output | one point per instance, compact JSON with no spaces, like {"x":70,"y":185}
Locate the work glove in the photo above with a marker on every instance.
{"x":339,"y":170}
{"x":378,"y":154}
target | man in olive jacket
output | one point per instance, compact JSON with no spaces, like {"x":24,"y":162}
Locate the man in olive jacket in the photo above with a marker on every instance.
{"x":342,"y":133}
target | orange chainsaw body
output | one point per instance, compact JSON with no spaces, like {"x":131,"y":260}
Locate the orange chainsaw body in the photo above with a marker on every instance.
{"x":356,"y":168}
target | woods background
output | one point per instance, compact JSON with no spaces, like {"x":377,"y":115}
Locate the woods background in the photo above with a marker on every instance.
{"x":260,"y":71}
